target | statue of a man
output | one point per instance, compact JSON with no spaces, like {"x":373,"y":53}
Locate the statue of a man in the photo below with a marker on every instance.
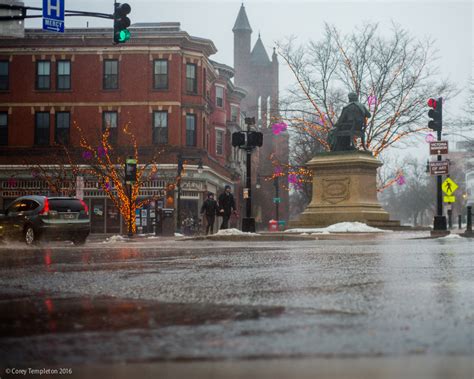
{"x":351,"y":122}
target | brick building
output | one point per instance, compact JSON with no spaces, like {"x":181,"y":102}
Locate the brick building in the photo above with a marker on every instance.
{"x":162,"y":82}
{"x":258,"y":75}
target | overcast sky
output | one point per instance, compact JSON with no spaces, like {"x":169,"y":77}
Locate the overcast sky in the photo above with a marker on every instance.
{"x":450,"y":23}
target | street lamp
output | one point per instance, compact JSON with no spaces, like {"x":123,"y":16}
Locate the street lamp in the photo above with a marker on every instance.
{"x":181,"y":161}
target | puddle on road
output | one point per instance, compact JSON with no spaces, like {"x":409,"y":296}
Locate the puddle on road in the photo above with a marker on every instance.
{"x":32,"y":315}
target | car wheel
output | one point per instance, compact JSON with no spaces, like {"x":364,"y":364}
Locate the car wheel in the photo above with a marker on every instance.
{"x":30,"y":236}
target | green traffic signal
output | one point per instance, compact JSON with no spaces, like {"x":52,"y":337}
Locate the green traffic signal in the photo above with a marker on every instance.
{"x":124,"y":35}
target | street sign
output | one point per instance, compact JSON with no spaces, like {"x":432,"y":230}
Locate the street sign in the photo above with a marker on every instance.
{"x":449,"y":199}
{"x":438,"y":147}
{"x":277,"y":200}
{"x":53,"y":15}
{"x":449,"y":186}
{"x":439,"y":168}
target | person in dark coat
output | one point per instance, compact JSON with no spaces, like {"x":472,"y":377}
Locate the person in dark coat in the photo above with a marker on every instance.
{"x":226,"y":206}
{"x":209,"y":209}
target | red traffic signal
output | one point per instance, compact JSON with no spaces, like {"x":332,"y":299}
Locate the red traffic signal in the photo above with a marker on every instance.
{"x":432,"y":103}
{"x":435,"y":114}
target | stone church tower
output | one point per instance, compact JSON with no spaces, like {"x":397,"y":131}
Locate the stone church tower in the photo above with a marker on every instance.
{"x":258,"y":75}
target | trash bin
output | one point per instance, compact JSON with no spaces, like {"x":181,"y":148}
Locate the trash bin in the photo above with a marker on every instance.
{"x":281,"y":225}
{"x":164,"y":222}
{"x":273,"y":226}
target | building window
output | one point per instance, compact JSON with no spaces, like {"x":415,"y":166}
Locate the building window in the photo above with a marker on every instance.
{"x":160,"y":74}
{"x":219,"y":142}
{"x":43,"y":75}
{"x":61,"y":134}
{"x":234,"y":113}
{"x":3,"y":128}
{"x":42,"y":128}
{"x":191,"y":78}
{"x":109,"y":120}
{"x":4,"y":75}
{"x":63,"y":75}
{"x":160,"y":127}
{"x":190,"y":130}
{"x":219,"y":96}
{"x":110,"y":74}
{"x":259,"y":111}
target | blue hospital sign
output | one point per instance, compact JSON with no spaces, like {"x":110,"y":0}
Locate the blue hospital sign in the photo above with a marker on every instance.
{"x":53,"y":15}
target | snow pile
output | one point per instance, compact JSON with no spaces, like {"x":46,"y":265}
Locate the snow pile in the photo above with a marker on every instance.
{"x":178,"y":235}
{"x":342,"y":227}
{"x":115,"y":238}
{"x":231,"y":232}
{"x":450,"y":237}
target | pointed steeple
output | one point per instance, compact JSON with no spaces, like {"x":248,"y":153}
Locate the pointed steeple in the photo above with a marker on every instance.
{"x":242,"y":22}
{"x":259,"y":55}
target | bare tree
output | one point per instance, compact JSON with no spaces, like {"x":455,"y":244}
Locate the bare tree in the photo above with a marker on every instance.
{"x":393,"y":75}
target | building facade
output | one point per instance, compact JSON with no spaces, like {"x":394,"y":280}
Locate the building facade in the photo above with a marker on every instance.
{"x":161,"y":83}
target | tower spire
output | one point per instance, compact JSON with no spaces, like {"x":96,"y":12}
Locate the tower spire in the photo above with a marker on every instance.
{"x":242,"y":21}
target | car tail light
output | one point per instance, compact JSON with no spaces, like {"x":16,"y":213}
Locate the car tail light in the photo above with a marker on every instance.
{"x":86,"y":208}
{"x":45,"y":210}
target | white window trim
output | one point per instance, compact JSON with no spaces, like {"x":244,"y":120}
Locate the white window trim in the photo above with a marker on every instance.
{"x":223,"y":141}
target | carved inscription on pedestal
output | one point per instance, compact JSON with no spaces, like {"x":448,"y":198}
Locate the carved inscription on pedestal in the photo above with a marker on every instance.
{"x":335,"y":190}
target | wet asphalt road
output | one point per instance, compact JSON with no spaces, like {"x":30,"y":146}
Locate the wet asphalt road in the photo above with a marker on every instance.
{"x":198,"y":300}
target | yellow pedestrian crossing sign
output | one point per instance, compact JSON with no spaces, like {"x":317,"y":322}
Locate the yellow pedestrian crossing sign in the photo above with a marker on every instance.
{"x":449,"y":199}
{"x":449,"y":186}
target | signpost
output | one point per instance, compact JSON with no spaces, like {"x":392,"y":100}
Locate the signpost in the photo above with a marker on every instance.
{"x":449,"y":199}
{"x":438,"y":147}
{"x":439,"y":168}
{"x":53,"y":15}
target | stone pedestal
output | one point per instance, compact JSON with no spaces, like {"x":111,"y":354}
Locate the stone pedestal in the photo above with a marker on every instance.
{"x":344,"y":189}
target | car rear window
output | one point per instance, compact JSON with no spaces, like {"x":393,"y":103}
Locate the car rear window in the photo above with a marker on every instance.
{"x":65,"y":205}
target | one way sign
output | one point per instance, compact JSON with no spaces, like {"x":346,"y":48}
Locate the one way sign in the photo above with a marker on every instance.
{"x":53,"y":15}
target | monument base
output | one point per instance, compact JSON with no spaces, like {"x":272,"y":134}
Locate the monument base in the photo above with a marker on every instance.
{"x":344,"y":190}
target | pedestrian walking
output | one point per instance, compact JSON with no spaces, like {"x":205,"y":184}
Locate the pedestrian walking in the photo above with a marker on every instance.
{"x":226,"y":206}
{"x":209,"y":209}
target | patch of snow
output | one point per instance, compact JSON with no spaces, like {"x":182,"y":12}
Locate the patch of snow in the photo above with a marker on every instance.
{"x":450,"y":237}
{"x":325,"y":232}
{"x":232,"y":232}
{"x":342,"y":227}
{"x":114,"y":238}
{"x":178,"y":235}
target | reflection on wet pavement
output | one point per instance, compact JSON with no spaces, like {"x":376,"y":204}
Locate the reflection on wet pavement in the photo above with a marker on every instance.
{"x":32,"y":315}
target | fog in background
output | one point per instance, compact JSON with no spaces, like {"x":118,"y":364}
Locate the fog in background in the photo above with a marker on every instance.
{"x":450,"y":23}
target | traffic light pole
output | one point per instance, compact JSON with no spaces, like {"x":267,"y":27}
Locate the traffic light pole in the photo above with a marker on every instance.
{"x":439,"y":223}
{"x":248,"y":222}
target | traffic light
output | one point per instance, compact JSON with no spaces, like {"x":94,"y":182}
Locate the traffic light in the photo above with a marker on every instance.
{"x":435,"y":114}
{"x":255,"y":139}
{"x":238,"y":139}
{"x":121,"y":23}
{"x":130,"y":171}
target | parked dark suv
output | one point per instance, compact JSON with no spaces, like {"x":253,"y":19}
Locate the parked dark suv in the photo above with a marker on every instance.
{"x":34,"y":218}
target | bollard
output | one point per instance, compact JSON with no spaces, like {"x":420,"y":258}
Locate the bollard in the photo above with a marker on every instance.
{"x":460,"y":221}
{"x":469,"y":220}
{"x":450,"y":218}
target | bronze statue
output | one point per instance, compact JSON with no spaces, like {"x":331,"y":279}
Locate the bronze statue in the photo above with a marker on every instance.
{"x":351,"y":123}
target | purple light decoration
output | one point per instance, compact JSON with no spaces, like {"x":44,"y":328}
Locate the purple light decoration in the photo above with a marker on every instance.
{"x":293,"y":179}
{"x":430,"y":138}
{"x":107,"y":186}
{"x":372,"y":101}
{"x":101,"y":152}
{"x":86,"y":155}
{"x":401,"y":180}
{"x":322,"y":119}
{"x":34,"y":174}
{"x":278,"y":170}
{"x":278,"y":128}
